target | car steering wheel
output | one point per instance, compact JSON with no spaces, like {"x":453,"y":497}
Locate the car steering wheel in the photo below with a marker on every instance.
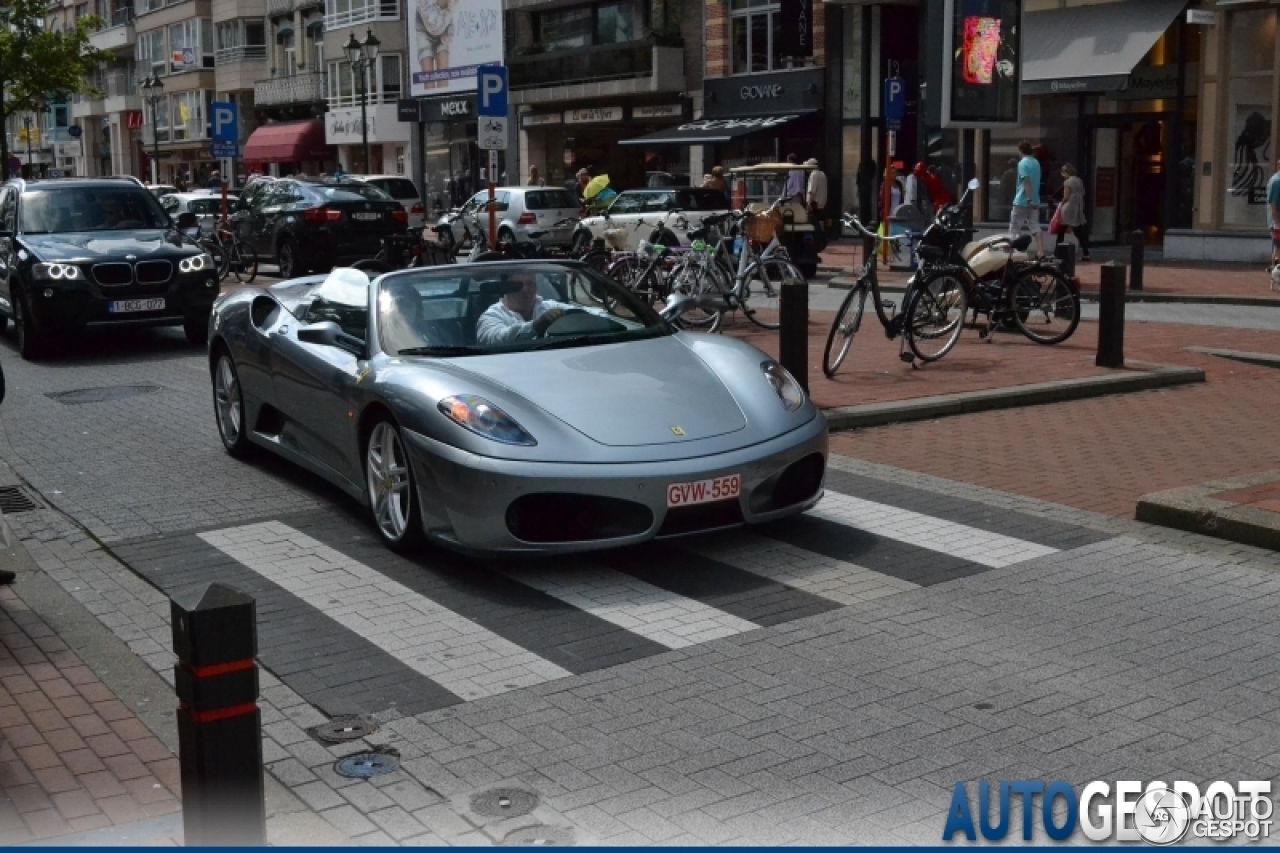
{"x":552,"y":324}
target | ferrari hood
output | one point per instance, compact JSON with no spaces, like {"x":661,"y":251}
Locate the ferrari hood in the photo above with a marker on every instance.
{"x":622,"y":395}
{"x":97,"y":245}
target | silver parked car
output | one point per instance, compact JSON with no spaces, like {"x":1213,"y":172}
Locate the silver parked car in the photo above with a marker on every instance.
{"x":524,"y":214}
{"x":205,"y":205}
{"x":636,"y":215}
{"x":595,"y":424}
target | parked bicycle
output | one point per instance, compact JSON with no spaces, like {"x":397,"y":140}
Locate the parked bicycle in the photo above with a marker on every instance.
{"x":231,"y":253}
{"x":848,"y":317}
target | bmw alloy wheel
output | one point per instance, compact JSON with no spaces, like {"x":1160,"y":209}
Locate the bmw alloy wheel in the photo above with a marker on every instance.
{"x":390,"y":492}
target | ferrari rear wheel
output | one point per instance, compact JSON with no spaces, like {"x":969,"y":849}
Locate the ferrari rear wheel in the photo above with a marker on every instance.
{"x":228,"y":405}
{"x":392,"y":497}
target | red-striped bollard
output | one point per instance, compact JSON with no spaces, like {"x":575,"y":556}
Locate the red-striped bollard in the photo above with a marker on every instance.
{"x":215,"y":636}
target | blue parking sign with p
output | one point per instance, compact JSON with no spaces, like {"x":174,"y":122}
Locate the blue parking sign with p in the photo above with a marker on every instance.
{"x":491,"y":90}
{"x":225,"y":121}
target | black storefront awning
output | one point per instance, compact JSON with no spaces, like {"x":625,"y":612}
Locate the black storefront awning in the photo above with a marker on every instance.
{"x":1090,"y":48}
{"x":714,"y":131}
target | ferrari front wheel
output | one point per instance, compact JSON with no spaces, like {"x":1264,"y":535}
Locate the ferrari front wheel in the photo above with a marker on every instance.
{"x":392,"y":498}
{"x":228,"y":405}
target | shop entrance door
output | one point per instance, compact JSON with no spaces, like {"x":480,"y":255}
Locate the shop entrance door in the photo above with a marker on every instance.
{"x":1126,"y":179}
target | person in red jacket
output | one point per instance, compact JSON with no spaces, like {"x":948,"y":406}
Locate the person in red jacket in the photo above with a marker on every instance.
{"x":932,"y":184}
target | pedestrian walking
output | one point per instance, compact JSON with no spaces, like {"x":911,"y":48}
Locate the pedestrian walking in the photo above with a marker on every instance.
{"x":815,"y":194}
{"x":1273,"y":223}
{"x":717,"y":181}
{"x":794,"y":187}
{"x":1025,"y":213}
{"x":215,"y":180}
{"x":1071,"y":210}
{"x":535,"y":177}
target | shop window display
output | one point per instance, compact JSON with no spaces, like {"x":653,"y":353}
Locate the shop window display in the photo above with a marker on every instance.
{"x":1249,"y":120}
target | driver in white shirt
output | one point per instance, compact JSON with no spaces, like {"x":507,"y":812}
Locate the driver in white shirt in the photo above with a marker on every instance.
{"x":520,"y":314}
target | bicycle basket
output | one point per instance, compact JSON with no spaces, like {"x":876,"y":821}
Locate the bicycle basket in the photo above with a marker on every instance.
{"x":616,"y":238}
{"x":761,"y":228}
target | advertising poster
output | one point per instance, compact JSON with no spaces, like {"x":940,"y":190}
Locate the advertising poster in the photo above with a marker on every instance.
{"x":448,"y":40}
{"x":1251,"y":160}
{"x":984,"y":45}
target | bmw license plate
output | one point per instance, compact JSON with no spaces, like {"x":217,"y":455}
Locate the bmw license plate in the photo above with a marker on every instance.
{"x":124,"y":306}
{"x":704,"y":491}
{"x":366,"y":217}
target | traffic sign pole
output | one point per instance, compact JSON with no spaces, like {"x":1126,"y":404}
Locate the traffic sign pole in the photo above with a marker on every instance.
{"x":491,"y":111}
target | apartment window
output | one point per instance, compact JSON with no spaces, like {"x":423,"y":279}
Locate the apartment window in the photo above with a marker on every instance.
{"x":188,"y":112}
{"x":160,"y":113}
{"x":191,"y":45}
{"x":82,"y":9}
{"x":245,"y":37}
{"x":383,"y":82}
{"x":755,"y":42}
{"x":145,"y":6}
{"x":150,"y":53}
{"x":583,"y":26}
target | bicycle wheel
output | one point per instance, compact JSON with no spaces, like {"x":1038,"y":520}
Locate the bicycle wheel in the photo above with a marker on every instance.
{"x":598,"y":260}
{"x":245,"y":262}
{"x":848,"y":320}
{"x":650,"y":288}
{"x":625,"y":270}
{"x":1044,"y":306}
{"x":770,"y":275}
{"x":935,"y":315}
{"x":696,"y":279}
{"x":221,"y":262}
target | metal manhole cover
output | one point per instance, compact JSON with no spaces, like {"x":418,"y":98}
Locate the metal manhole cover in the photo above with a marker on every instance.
{"x":341,"y":729}
{"x":540,"y":836}
{"x":504,"y":802}
{"x":15,"y":499}
{"x":365,"y":765}
{"x":101,"y":395}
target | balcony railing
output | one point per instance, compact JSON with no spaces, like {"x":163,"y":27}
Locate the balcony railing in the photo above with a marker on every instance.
{"x":352,"y":99}
{"x":305,"y":88}
{"x":372,"y":10}
{"x":582,"y":65}
{"x":227,"y":55}
{"x":122,"y":16}
{"x":114,"y":85}
{"x":283,"y":7}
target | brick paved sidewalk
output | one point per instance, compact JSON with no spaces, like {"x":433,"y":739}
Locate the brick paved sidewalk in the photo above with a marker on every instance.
{"x":1104,"y":454}
{"x":1183,"y":278}
{"x":73,"y":757}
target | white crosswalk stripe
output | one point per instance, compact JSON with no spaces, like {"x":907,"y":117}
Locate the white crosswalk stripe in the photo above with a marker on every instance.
{"x":926,"y":531}
{"x":459,"y":655}
{"x":817,"y":574}
{"x":641,"y":608}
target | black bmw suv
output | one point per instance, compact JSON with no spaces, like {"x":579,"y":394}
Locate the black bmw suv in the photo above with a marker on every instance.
{"x":77,"y":253}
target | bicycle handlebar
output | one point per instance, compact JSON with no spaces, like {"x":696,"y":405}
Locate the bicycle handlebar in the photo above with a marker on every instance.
{"x":852,"y":221}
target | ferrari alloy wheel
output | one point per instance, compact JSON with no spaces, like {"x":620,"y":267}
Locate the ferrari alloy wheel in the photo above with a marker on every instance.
{"x":228,"y":405}
{"x":391,"y":492}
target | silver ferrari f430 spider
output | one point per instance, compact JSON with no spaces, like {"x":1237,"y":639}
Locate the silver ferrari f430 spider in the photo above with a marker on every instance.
{"x":512,"y":407}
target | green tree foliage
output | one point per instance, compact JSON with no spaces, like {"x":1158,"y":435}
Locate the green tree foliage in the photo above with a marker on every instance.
{"x":37,"y":63}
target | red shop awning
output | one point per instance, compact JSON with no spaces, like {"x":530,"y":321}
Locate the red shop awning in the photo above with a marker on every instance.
{"x":288,"y":142}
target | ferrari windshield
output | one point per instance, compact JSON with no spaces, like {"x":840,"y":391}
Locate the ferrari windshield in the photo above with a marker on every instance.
{"x":476,"y":309}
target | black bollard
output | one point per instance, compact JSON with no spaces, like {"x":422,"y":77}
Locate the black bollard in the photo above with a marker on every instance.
{"x":1111,"y":316}
{"x":215,"y":636}
{"x":1137,"y":257}
{"x":1066,"y":253}
{"x":793,"y":330}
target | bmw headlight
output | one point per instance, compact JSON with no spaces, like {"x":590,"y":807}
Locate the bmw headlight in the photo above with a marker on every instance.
{"x":784,"y":385}
{"x":57,"y":272}
{"x":483,"y":418}
{"x":195,"y":263}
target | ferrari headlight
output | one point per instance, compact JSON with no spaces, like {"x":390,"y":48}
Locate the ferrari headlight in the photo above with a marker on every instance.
{"x":57,"y":272}
{"x":195,"y":263}
{"x":483,"y":418}
{"x":784,"y":385}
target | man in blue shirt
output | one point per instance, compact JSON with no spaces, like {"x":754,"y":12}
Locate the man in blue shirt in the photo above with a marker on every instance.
{"x":1273,"y":220}
{"x":1025,"y":214}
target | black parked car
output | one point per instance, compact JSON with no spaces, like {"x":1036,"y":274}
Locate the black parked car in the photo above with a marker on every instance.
{"x":90,"y":252}
{"x":305,"y":226}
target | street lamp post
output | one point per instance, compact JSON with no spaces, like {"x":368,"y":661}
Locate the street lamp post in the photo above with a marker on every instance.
{"x":362,"y":55}
{"x":153,"y":90}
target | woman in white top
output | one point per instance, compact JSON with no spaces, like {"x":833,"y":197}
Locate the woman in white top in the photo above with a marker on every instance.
{"x":1071,"y":212}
